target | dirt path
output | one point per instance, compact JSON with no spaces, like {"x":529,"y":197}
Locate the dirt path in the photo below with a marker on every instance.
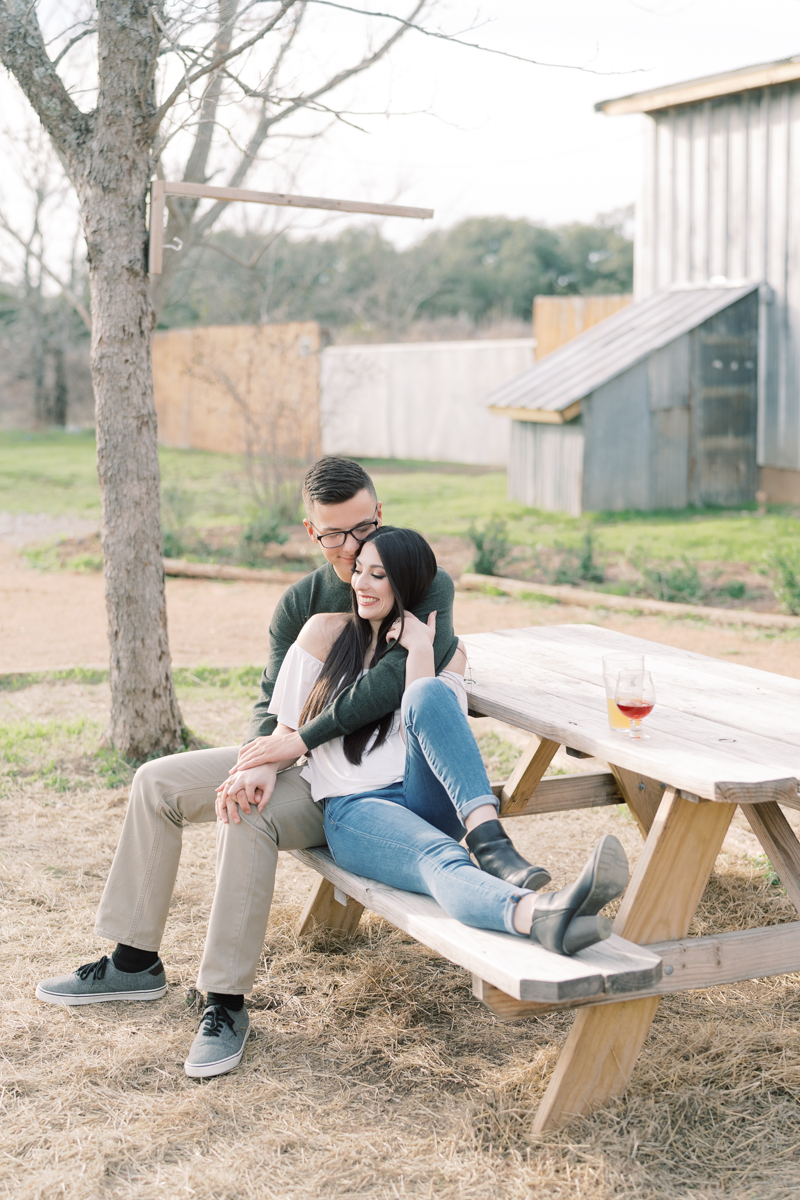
{"x":50,"y":621}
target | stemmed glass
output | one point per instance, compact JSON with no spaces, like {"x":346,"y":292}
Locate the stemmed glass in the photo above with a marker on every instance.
{"x":635,"y":697}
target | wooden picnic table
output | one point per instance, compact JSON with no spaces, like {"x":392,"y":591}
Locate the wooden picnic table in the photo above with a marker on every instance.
{"x":720,"y":735}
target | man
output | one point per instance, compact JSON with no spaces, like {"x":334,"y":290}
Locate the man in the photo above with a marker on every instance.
{"x":342,"y":510}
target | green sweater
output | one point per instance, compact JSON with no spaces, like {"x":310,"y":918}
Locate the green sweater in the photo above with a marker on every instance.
{"x":380,"y":691}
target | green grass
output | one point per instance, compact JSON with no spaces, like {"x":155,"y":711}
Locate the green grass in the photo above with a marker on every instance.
{"x":55,"y":473}
{"x":63,"y":756}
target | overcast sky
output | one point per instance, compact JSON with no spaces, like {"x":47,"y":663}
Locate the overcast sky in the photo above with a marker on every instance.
{"x":475,"y":134}
{"x":496,"y":136}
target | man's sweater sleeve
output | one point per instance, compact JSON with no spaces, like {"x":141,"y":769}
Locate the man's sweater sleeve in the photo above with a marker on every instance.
{"x":380,"y":691}
{"x":287,"y":621}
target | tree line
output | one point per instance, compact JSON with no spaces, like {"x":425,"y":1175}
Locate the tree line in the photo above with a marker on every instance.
{"x":359,"y":286}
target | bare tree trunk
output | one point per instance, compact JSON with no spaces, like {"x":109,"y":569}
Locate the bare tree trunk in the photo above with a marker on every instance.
{"x":145,"y":719}
{"x":58,"y":408}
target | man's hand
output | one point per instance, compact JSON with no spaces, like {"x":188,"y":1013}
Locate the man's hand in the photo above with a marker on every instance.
{"x":278,"y":748}
{"x":243,"y":789}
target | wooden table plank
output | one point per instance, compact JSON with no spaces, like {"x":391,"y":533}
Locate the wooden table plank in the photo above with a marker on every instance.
{"x":514,"y":964}
{"x":688,"y":964}
{"x":694,"y":754}
{"x":749,"y":699}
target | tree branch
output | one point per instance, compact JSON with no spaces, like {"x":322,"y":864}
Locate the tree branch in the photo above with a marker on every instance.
{"x":217,"y":61}
{"x":68,"y":292}
{"x":23,"y":53}
{"x":449,"y":37}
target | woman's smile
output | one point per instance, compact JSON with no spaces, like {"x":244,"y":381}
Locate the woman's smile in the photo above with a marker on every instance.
{"x":374,"y":594}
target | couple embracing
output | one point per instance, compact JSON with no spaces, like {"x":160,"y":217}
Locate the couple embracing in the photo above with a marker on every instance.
{"x":366,"y":681}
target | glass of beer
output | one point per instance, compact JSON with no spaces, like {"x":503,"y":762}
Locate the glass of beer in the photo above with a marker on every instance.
{"x":612,"y":665}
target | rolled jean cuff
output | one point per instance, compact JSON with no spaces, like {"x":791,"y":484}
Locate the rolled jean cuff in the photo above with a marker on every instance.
{"x":478,"y":802}
{"x":509,"y":908}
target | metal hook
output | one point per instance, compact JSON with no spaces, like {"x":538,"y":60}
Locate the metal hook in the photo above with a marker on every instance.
{"x":176,"y":245}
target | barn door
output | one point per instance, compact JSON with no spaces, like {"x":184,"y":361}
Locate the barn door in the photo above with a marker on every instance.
{"x":723,"y":468}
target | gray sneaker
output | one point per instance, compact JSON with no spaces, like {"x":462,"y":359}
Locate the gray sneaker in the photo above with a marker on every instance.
{"x":219,"y":1043}
{"x":99,"y":981}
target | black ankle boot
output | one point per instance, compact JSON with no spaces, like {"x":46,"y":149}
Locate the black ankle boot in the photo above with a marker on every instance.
{"x":495,"y":854}
{"x":566,"y":921}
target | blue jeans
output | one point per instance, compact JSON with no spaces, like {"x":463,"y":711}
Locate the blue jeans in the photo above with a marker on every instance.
{"x":407,"y":834}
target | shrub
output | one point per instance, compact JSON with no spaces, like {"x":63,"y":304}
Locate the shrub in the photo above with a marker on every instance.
{"x":491,"y":546}
{"x":677,"y":582}
{"x":579,"y":565}
{"x":262,"y":531}
{"x":783,"y":565}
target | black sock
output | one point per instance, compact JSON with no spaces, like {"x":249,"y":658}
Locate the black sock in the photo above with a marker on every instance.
{"x":131,"y":960}
{"x":233,"y":1003}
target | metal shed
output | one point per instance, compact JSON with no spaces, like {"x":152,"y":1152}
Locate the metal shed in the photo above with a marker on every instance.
{"x":655,"y":407}
{"x":721,"y":197}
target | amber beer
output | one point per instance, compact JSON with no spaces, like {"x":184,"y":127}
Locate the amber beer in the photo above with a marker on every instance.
{"x":612,"y":665}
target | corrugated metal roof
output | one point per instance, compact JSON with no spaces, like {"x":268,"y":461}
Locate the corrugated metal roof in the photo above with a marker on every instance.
{"x":690,"y":91}
{"x":604,"y":351}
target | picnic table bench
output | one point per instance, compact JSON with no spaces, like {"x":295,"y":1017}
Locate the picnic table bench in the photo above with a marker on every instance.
{"x":721,"y":735}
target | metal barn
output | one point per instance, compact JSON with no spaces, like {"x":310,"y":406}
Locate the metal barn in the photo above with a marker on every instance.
{"x":721,"y":198}
{"x":655,"y":407}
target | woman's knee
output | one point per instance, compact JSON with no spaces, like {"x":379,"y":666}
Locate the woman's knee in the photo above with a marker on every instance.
{"x":423,"y":692}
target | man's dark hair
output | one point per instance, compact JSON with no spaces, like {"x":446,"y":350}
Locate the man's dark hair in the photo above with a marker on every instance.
{"x":333,"y":480}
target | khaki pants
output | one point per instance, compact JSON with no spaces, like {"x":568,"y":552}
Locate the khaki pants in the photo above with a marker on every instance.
{"x":180,"y":789}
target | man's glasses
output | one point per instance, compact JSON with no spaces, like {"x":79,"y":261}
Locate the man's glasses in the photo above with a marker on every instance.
{"x":360,"y":532}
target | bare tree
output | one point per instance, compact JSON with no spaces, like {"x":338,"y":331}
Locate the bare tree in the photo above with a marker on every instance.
{"x":163,"y":71}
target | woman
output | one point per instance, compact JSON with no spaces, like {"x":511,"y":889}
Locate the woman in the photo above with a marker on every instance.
{"x":399,"y":795}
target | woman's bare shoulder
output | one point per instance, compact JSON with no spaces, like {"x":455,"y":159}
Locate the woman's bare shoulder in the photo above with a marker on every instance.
{"x":320,"y":632}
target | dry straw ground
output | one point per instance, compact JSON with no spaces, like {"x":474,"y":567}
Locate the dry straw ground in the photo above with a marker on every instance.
{"x":371,"y":1071}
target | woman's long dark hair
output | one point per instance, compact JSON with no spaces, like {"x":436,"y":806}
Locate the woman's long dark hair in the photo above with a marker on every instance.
{"x":410,"y":567}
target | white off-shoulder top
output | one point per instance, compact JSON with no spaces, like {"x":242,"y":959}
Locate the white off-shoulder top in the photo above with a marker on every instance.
{"x":327,"y":769}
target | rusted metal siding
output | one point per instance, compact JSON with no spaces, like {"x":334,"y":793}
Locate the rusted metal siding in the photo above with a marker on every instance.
{"x":546,"y":466}
{"x":721,"y":198}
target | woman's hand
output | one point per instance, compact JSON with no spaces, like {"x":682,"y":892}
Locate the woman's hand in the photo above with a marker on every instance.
{"x":243,"y":789}
{"x":416,"y":635}
{"x":417,"y":638}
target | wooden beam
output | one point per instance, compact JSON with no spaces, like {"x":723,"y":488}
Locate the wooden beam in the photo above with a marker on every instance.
{"x":562,"y":793}
{"x":780,"y":844}
{"x":642,"y":795}
{"x":707,"y":88}
{"x":324,"y":910}
{"x":201,"y":191}
{"x":660,"y":901}
{"x":689,"y":963}
{"x":527,"y":773}
{"x":539,"y":416}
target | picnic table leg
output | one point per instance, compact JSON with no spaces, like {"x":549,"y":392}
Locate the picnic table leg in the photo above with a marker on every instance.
{"x":670,"y":878}
{"x":642,"y":795}
{"x":780,"y":844}
{"x":527,"y":775}
{"x":324,"y":911}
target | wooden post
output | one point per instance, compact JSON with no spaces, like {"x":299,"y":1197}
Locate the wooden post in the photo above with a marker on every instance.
{"x":156,"y":249}
{"x":780,"y":844}
{"x":671,"y":876}
{"x":324,"y":911}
